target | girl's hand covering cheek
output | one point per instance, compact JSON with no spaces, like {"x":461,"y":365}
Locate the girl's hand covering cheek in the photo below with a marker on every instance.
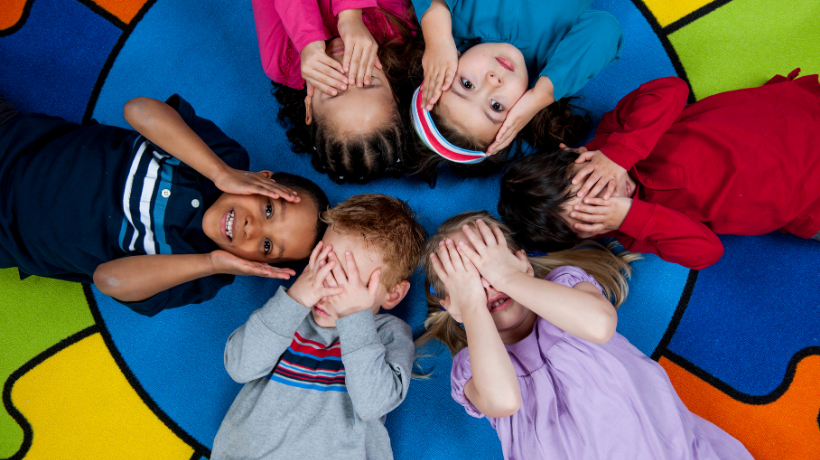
{"x":225,"y":262}
{"x":460,"y":278}
{"x":253,"y":183}
{"x":492,"y":257}
{"x":598,"y":216}
{"x":440,"y":62}
{"x":309,"y":288}
{"x":532,"y":102}
{"x":600,"y":172}
{"x":322,"y":71}
{"x":360,"y":48}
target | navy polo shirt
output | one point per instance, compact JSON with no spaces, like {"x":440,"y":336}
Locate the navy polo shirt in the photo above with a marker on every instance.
{"x":77,"y":196}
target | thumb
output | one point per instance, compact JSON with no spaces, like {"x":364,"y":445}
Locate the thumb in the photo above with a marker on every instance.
{"x":373,"y":284}
{"x":585,"y":156}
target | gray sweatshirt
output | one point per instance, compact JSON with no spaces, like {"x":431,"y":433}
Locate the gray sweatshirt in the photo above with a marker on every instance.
{"x":313,"y":392}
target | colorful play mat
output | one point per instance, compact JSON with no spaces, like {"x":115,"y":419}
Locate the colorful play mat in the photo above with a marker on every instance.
{"x":85,"y":378}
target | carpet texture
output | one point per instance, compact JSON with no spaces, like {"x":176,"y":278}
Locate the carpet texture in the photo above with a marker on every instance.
{"x":84,"y":377}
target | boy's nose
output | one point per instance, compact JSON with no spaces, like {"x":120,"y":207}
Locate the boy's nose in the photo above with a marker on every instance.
{"x":250,"y":227}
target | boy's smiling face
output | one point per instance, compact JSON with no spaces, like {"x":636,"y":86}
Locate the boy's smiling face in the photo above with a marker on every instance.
{"x":262,"y":229}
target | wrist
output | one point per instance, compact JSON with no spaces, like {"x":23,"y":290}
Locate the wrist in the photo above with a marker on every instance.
{"x":346,"y":16}
{"x":544,"y":91}
{"x":297,"y":296}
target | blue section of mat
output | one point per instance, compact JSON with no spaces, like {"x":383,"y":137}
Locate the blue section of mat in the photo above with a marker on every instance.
{"x":752,"y":311}
{"x":209,"y":56}
{"x":51,"y":64}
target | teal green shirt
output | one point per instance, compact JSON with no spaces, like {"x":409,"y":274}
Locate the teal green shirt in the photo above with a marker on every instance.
{"x":563,"y":40}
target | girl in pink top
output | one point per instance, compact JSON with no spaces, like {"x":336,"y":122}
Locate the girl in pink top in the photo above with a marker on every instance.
{"x":337,"y":68}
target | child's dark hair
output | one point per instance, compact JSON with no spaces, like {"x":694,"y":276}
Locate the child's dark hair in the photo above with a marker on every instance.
{"x":306,"y":187}
{"x":534,"y":191}
{"x":550,"y":127}
{"x":359,"y":158}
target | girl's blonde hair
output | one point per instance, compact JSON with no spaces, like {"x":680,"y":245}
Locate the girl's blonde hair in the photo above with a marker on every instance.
{"x":610,"y":270}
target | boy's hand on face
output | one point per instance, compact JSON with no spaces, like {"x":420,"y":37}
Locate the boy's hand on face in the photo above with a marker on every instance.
{"x":532,"y":102}
{"x":602,"y":172}
{"x":360,"y":47}
{"x":253,"y":183}
{"x":598,"y":216}
{"x":493,"y":259}
{"x":321,"y":71}
{"x":355,"y":296}
{"x":460,"y":278}
{"x":310,"y":287}
{"x":225,"y":262}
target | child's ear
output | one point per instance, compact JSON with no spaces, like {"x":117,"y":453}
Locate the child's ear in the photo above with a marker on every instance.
{"x":396,"y":294}
{"x":308,"y":110}
{"x":266,"y":173}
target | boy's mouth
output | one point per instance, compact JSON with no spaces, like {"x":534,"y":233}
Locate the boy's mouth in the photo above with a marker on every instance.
{"x":499,"y":303}
{"x":506,"y":63}
{"x":321,"y":311}
{"x":228,"y":225}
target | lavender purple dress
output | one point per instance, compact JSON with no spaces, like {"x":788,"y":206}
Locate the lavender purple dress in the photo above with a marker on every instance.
{"x":581,"y":400}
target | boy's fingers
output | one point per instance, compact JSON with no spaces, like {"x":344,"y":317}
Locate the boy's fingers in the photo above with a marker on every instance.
{"x":592,"y":229}
{"x":610,"y":190}
{"x":591,"y":181}
{"x":584,"y":156}
{"x":352,"y":269}
{"x":338,"y":272}
{"x":331,"y":291}
{"x":599,"y":186}
{"x":595,"y":201}
{"x":314,"y":254}
{"x":588,"y":218}
{"x":582,"y":173}
{"x":321,"y":275}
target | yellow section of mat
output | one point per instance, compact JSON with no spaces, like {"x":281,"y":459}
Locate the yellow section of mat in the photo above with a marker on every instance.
{"x":79,"y":404}
{"x":669,"y":11}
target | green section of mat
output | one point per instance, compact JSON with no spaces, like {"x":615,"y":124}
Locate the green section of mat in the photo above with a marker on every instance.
{"x":746,"y":43}
{"x":28,"y":310}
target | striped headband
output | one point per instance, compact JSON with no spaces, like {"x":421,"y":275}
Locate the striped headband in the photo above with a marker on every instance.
{"x":428,"y":133}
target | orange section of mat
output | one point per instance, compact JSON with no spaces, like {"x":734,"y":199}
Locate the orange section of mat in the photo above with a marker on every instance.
{"x":124,"y":10}
{"x":11,"y":12}
{"x":786,"y":428}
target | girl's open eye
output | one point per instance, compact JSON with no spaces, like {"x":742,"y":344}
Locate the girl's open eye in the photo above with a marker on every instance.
{"x":267,"y":246}
{"x":495,"y":105}
{"x":268,"y":210}
{"x":466,"y":84}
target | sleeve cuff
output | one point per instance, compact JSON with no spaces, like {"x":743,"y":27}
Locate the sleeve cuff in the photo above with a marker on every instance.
{"x":281,"y":314}
{"x":636,"y":219}
{"x":339,"y":6}
{"x":357,"y":331}
{"x":306,"y":39}
{"x":623,"y":156}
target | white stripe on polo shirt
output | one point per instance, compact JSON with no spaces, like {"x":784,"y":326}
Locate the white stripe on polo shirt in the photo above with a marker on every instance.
{"x":148,"y":184}
{"x":126,"y":197}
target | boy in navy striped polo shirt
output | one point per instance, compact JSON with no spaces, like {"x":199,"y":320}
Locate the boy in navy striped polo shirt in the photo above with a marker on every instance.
{"x":142,"y":214}
{"x":321,"y":366}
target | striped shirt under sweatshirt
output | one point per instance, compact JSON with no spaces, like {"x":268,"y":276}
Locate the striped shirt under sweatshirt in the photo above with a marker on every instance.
{"x":313,"y":392}
{"x":78,"y":196}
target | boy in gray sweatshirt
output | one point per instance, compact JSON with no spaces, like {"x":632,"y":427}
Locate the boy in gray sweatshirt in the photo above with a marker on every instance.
{"x":321,"y":366}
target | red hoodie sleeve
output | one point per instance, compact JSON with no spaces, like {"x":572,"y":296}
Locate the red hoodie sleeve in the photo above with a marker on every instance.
{"x":284,"y":28}
{"x":671,"y":235}
{"x":629,"y":133}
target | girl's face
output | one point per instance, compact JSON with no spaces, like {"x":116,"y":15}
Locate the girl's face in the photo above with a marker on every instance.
{"x":355,"y":110}
{"x":513,"y":320}
{"x":490,"y":79}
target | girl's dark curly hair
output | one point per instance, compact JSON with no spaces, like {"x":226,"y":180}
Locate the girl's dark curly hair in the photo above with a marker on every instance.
{"x":534,"y":191}
{"x":366,"y":157}
{"x":550,"y":127}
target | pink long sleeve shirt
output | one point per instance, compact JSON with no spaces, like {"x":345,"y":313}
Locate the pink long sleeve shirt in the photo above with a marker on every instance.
{"x":285,"y":27}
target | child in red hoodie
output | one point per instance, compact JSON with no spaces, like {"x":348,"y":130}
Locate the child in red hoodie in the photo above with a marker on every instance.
{"x":666,"y":178}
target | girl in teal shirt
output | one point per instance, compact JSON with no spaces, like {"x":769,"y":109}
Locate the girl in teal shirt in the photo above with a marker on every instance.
{"x":493,"y":66}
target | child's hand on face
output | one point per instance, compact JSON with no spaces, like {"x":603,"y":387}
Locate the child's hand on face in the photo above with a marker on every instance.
{"x":253,"y":183}
{"x":321,"y":71}
{"x":460,"y":278}
{"x":598,"y":216}
{"x":354,"y":296}
{"x":522,"y":112}
{"x":439,"y":62}
{"x":493,"y":259}
{"x":602,"y":172}
{"x":225,"y":262}
{"x":310,"y":287}
{"x":360,"y":47}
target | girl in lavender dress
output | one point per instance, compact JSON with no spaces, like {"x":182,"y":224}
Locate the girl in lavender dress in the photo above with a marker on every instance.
{"x":544,"y":362}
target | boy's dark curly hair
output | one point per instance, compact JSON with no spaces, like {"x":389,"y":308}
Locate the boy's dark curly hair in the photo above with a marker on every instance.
{"x":359,"y":158}
{"x":534,"y":191}
{"x":550,"y":127}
